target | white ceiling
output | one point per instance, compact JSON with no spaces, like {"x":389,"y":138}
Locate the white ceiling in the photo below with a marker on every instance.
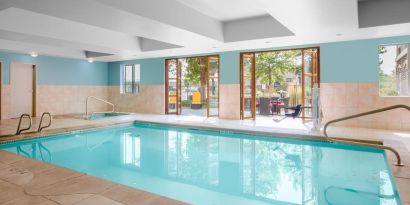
{"x":131,"y":29}
{"x":226,"y":10}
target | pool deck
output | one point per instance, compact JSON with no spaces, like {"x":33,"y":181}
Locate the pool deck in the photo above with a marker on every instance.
{"x":26,"y":181}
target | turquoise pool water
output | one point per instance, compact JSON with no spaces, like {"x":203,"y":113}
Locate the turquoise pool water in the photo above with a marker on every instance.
{"x":206,"y":167}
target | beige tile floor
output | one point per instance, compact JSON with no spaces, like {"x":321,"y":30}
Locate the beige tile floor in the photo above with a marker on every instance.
{"x":26,"y":181}
{"x":20,"y":176}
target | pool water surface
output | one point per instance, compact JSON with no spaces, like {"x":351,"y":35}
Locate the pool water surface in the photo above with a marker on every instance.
{"x":212,"y":167}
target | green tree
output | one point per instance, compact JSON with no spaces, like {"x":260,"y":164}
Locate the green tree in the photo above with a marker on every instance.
{"x":196,"y":71}
{"x":387,"y":83}
{"x":195,"y":74}
{"x":272,"y":66}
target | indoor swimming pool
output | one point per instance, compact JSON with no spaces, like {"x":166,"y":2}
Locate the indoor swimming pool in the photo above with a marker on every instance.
{"x":219,"y":167}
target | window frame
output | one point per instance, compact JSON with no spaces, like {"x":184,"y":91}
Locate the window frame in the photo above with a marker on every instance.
{"x":379,"y":81}
{"x":135,"y":83}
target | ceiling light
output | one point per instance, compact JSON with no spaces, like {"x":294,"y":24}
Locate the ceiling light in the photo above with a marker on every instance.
{"x":33,"y":54}
{"x":90,"y":60}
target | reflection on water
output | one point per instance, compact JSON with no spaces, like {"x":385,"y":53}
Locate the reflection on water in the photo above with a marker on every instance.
{"x":211,"y":168}
{"x":35,"y":150}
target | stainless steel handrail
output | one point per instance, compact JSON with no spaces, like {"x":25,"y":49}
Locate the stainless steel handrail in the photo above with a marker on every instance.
{"x":27,"y":128}
{"x":41,"y":121}
{"x":99,"y":99}
{"x":398,"y":163}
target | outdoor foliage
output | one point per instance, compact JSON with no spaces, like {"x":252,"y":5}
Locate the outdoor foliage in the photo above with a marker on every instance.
{"x":387,"y":82}
{"x":271,"y":67}
{"x":295,"y":96}
{"x":195,"y":71}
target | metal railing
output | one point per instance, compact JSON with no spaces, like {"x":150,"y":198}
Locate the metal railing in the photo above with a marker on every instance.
{"x":99,"y":99}
{"x":24,"y":129}
{"x":398,"y":163}
{"x":41,"y":121}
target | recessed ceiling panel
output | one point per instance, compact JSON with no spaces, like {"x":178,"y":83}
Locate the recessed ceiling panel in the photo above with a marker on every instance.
{"x":254,"y":28}
{"x":153,"y":45}
{"x":93,"y":54}
{"x":383,"y":12}
{"x":226,"y":10}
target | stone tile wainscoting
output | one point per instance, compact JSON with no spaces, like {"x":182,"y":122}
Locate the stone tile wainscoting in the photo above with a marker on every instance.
{"x":5,"y":101}
{"x":150,"y":99}
{"x":60,"y":99}
{"x":342,"y":99}
{"x":229,"y":101}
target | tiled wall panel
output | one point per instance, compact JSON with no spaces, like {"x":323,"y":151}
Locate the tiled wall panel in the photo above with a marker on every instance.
{"x":59,"y":99}
{"x":342,"y":99}
{"x":150,"y":99}
{"x":229,"y":101}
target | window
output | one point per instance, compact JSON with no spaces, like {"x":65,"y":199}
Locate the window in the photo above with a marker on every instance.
{"x":394,"y":74}
{"x":130,"y":79}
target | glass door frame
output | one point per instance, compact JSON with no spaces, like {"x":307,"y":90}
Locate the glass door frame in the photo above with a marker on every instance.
{"x":314,"y":75}
{"x":208,"y":86}
{"x":177,"y":101}
{"x":178,"y":84}
{"x":315,"y":78}
{"x":253,"y":87}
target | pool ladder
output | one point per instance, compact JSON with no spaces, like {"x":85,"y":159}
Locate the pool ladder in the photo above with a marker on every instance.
{"x":395,"y":152}
{"x":99,"y":99}
{"x":40,"y":127}
{"x":29,"y":125}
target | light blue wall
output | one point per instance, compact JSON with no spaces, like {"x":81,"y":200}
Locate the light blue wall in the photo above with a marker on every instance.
{"x":353,"y":61}
{"x":229,"y":67}
{"x":348,"y":62}
{"x":58,"y":71}
{"x":152,"y":71}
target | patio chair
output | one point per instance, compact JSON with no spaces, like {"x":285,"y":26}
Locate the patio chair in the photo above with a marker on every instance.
{"x":196,"y":100}
{"x":286,"y":101}
{"x":296,"y":112}
{"x":275,"y":104}
{"x":264,"y":108}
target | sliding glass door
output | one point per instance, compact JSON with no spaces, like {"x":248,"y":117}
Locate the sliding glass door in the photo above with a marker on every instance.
{"x":192,"y":86}
{"x":273,"y":80}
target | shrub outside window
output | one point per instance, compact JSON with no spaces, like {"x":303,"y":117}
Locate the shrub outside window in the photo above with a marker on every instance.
{"x":394,"y":74}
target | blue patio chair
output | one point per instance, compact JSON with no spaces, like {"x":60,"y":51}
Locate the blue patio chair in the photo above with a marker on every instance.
{"x":296,"y":111}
